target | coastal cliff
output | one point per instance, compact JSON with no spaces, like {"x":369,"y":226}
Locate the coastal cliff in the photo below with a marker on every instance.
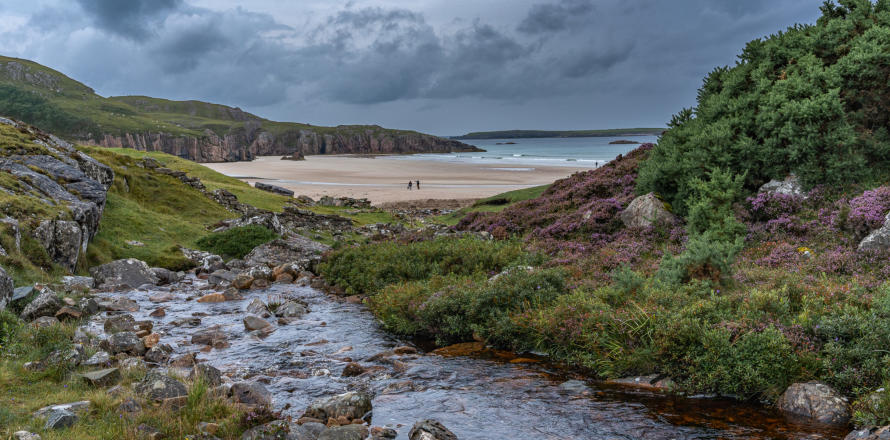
{"x":250,"y":141}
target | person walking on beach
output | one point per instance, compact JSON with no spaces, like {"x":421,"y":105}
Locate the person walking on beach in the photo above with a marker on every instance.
{"x":418,"y":185}
{"x":409,"y":185}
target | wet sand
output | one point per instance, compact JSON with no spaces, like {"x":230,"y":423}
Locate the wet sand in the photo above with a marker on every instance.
{"x":384,"y":179}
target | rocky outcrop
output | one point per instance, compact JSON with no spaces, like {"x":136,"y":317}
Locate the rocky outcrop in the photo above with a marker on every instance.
{"x":54,"y":172}
{"x":296,"y":249}
{"x":814,"y":401}
{"x":247,"y":141}
{"x":6,"y":289}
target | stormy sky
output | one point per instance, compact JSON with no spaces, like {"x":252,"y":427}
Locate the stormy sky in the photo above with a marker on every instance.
{"x":440,"y":66}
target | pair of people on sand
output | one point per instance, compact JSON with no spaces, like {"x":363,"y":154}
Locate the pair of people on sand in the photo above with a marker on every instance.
{"x":415,"y":183}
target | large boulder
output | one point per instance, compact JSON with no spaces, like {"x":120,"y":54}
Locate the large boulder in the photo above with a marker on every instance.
{"x":63,"y":241}
{"x":47,"y":303}
{"x":352,"y":405}
{"x":6,"y":289}
{"x":430,"y":430}
{"x":814,"y":401}
{"x":645,"y":211}
{"x":127,"y":272}
{"x":124,"y":342}
{"x":296,"y":250}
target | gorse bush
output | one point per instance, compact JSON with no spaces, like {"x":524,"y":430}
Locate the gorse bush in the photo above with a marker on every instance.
{"x":369,"y":269}
{"x":237,"y":242}
{"x":811,"y":101}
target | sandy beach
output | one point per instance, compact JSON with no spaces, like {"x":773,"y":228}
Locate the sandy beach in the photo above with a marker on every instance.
{"x":384,"y":179}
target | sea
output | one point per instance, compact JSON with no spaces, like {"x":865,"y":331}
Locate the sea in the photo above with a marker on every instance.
{"x":523,"y":154}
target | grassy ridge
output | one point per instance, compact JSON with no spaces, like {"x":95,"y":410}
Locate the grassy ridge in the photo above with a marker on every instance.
{"x":520,"y":134}
{"x":60,"y":105}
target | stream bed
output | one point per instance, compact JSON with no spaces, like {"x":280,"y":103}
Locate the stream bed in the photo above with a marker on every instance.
{"x":487,"y":395}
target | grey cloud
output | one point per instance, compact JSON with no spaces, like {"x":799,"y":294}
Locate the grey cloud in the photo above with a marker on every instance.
{"x":554,"y":17}
{"x":128,"y":18}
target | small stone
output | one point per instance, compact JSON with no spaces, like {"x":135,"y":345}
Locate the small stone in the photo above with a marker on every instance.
{"x":98,"y":359}
{"x":403,"y":350}
{"x":130,"y":406}
{"x":159,"y":354}
{"x":151,"y":340}
{"x":381,"y":433}
{"x":232,"y":294}
{"x":186,"y":360}
{"x":210,"y":374}
{"x":208,"y":336}
{"x":103,"y":378}
{"x":208,"y":428}
{"x":45,"y":321}
{"x":353,"y":369}
{"x":242,"y":282}
{"x":212,"y":298}
{"x":160,"y":312}
{"x":25,"y":435}
{"x":257,"y":307}
{"x":347,"y":432}
{"x":159,"y":387}
{"x":161,"y":297}
{"x":124,"y":342}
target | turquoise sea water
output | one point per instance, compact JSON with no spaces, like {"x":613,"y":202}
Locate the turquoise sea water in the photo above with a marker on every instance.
{"x":572,"y":152}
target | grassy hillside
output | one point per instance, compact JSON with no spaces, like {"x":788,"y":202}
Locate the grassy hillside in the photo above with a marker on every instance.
{"x":495,"y":203}
{"x":519,"y":134}
{"x":58,"y":104}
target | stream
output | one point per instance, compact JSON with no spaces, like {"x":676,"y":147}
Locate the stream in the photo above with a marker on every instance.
{"x":489,"y":395}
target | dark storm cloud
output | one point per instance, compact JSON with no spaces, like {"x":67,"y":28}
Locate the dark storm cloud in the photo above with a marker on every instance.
{"x":554,"y":17}
{"x":580,"y":59}
{"x":128,"y":18}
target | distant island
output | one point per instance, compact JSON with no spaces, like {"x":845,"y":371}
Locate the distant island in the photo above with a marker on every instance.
{"x":524,"y":134}
{"x":623,"y":142}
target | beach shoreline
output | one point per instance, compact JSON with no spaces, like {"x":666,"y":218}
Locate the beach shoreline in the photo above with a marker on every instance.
{"x":384,"y":179}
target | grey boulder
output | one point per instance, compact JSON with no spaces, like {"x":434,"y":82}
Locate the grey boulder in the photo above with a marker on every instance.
{"x":45,"y":304}
{"x":352,"y":405}
{"x":159,"y":387}
{"x":644,"y":211}
{"x":127,"y":272}
{"x":6,"y":289}
{"x":251,"y":393}
{"x":346,"y":432}
{"x":430,"y":430}
{"x":814,"y":401}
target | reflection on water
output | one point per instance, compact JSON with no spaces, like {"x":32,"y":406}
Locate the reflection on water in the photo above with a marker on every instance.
{"x":489,"y":395}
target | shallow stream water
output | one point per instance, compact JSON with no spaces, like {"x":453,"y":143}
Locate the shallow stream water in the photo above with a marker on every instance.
{"x":490,"y":395}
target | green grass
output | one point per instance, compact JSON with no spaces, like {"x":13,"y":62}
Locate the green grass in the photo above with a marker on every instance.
{"x":495,"y":203}
{"x":152,"y":208}
{"x":236,"y":242}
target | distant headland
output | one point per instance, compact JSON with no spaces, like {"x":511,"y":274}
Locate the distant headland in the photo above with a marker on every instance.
{"x":525,"y":134}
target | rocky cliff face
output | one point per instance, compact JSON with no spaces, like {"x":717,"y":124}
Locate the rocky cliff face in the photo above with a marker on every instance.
{"x":250,"y":141}
{"x":71,"y":186}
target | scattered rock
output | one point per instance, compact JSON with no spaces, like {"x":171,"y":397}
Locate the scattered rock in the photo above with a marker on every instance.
{"x":251,"y":393}
{"x":119,"y":305}
{"x":210,"y":374}
{"x":119,"y":323}
{"x":45,"y":321}
{"x":403,"y":350}
{"x":382,"y":433}
{"x":59,"y":419}
{"x":221,"y":277}
{"x":209,"y":336}
{"x":103,"y":378}
{"x":252,"y":322}
{"x":124,"y":342}
{"x":353,"y":405}
{"x":160,"y":312}
{"x":68,"y":313}
{"x":652,"y":382}
{"x":128,"y":272}
{"x":242,"y":282}
{"x":159,"y":387}
{"x":151,"y":340}
{"x":78,"y":283}
{"x":130,"y":406}
{"x":277,"y":430}
{"x":879,"y":239}
{"x":430,"y":430}
{"x":166,"y":276}
{"x":45,"y":304}
{"x":815,"y":401}
{"x":74,"y":407}
{"x":101,"y":358}
{"x":346,"y":432}
{"x":159,"y":354}
{"x":212,"y":298}
{"x":161,"y":297}
{"x":353,"y":369}
{"x":273,"y":189}
{"x":290,"y":309}
{"x":186,"y":360}
{"x":295,"y":250}
{"x":25,"y":435}
{"x":189,"y":321}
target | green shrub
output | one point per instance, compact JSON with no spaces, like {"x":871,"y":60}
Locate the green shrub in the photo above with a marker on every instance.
{"x":810,"y":101}
{"x":368,"y":269}
{"x":236,"y":242}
